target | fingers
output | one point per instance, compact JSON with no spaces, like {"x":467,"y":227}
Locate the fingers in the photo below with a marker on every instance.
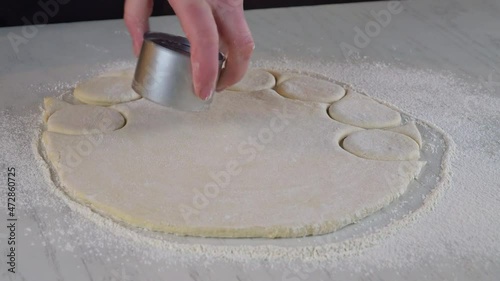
{"x":237,"y":38}
{"x":136,"y":17}
{"x":198,"y":23}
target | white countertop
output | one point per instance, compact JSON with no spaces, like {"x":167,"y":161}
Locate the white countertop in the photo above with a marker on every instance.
{"x":456,"y":36}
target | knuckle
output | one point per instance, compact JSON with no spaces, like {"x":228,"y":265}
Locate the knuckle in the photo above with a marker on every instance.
{"x":246,"y":46}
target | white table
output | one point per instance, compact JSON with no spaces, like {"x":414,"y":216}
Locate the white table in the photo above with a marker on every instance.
{"x":446,"y":35}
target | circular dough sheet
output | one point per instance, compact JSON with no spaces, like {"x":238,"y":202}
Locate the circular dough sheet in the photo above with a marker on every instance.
{"x":254,"y":165}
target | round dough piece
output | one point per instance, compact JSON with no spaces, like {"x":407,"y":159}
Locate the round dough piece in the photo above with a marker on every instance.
{"x":306,"y":88}
{"x":106,"y":90}
{"x":361,"y":111}
{"x":85,"y":120}
{"x":254,"y":80}
{"x":382,"y":145}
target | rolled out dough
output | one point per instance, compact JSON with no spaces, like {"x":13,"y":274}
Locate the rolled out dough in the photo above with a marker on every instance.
{"x":256,"y":164}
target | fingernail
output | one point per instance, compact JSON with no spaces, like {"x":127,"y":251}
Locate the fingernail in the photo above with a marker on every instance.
{"x":206,"y":93}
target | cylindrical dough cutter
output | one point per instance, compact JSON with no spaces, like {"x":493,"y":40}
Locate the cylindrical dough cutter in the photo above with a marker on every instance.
{"x":163,"y":72}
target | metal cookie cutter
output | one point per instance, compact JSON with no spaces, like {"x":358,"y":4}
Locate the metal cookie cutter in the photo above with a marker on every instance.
{"x":163,"y":72}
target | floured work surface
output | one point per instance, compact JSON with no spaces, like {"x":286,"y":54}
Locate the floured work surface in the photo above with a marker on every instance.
{"x":257,"y":164}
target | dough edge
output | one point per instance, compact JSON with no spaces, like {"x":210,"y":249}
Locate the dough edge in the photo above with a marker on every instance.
{"x":282,"y":231}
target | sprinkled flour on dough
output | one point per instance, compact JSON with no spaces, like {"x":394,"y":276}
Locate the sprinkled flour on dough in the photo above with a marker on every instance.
{"x":457,"y":219}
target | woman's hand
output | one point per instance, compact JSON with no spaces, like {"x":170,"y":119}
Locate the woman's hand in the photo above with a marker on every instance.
{"x":209,"y":25}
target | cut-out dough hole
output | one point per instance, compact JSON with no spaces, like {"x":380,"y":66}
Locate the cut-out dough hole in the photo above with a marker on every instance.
{"x":106,"y":90}
{"x":361,"y":111}
{"x":255,"y":80}
{"x":85,"y":120}
{"x":381,"y":145}
{"x":306,"y":88}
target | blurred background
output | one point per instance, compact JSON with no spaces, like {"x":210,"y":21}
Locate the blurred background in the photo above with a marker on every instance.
{"x":22,"y":12}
